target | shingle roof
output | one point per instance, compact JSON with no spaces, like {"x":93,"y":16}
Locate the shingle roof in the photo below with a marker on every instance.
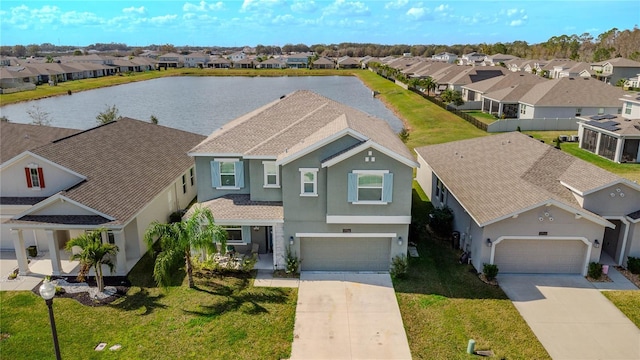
{"x":620,"y":62}
{"x":499,"y":175}
{"x":126,"y":164}
{"x":570,"y":91}
{"x":301,"y":117}
{"x":17,"y":138}
{"x":502,"y":82}
{"x":240,"y":207}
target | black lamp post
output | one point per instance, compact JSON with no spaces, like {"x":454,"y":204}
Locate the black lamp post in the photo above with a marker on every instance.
{"x":48,"y":291}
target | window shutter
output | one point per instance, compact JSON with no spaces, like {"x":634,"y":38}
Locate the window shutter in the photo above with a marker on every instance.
{"x":387,"y":187}
{"x":352,"y":187}
{"x":27,"y":172}
{"x":215,"y":174}
{"x":41,"y":178}
{"x":239,"y":174}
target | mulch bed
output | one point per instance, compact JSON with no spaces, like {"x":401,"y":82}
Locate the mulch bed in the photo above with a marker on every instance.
{"x":634,"y":278}
{"x":603,"y":278}
{"x":484,"y":279}
{"x":121,"y":283}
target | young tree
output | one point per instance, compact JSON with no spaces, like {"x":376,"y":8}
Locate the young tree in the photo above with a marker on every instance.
{"x":452,"y":97}
{"x":153,"y":119}
{"x":94,"y":254}
{"x":176,"y":241}
{"x":108,"y":115}
{"x":38,"y":116}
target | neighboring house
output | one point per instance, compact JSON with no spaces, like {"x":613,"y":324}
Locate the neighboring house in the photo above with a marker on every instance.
{"x":530,"y":208}
{"x":298,"y":61}
{"x":632,"y":82}
{"x":472,"y":58}
{"x":273,"y":63}
{"x":170,"y":60}
{"x":219,"y":63}
{"x":243,"y":64}
{"x":196,"y":60}
{"x":237,"y":56}
{"x":615,"y":137}
{"x":580,"y":69}
{"x":455,"y":77}
{"x":612,"y":70}
{"x":309,"y":174}
{"x":497,"y":59}
{"x":475,"y":91}
{"x":120,"y":176}
{"x":347,"y":62}
{"x":570,"y":97}
{"x":445,"y":57}
{"x":323,"y":63}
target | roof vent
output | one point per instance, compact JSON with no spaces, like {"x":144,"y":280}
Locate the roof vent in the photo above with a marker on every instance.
{"x":282,"y":97}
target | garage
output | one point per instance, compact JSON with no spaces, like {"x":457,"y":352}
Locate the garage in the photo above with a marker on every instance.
{"x":345,"y":254}
{"x":540,"y":256}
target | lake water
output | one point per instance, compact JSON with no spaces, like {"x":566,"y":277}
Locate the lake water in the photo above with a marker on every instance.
{"x":195,"y":104}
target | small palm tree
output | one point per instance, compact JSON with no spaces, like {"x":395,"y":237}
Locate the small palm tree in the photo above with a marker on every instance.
{"x":176,"y":241}
{"x":94,"y":254}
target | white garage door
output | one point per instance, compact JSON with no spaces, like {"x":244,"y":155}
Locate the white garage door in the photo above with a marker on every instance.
{"x":345,"y":254}
{"x":540,"y":256}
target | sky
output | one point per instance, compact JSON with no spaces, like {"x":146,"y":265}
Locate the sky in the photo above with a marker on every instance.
{"x":280,"y":22}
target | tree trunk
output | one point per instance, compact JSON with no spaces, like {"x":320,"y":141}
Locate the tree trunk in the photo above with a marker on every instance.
{"x":99,"y":277}
{"x":187,"y":258}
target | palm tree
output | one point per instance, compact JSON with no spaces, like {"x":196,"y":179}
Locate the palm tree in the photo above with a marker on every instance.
{"x":176,"y":241}
{"x":429,"y":84}
{"x":94,"y":254}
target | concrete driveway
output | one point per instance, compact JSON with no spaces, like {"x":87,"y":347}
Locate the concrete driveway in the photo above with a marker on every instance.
{"x":571,"y":318}
{"x":348,"y":316}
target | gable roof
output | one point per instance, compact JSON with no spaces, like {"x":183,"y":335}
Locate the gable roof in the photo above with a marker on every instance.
{"x":17,"y":138}
{"x":505,"y":81}
{"x":296,"y":121}
{"x":126,"y":163}
{"x":620,"y":62}
{"x":573,"y":91}
{"x":497,"y":176}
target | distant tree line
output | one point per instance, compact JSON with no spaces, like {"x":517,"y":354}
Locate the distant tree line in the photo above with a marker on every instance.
{"x":584,"y":47}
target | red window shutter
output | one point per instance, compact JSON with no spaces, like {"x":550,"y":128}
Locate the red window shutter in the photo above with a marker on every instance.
{"x":27,"y":172}
{"x":41,"y":178}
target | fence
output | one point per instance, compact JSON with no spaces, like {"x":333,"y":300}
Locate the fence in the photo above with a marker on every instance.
{"x":543,"y":124}
{"x":475,"y":122}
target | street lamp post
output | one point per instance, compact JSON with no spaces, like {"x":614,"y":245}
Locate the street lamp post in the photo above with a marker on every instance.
{"x":48,"y":291}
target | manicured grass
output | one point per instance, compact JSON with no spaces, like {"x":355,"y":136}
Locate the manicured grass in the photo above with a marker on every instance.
{"x":482,"y":116}
{"x":428,"y":123}
{"x":443,"y":305}
{"x":225,"y":318}
{"x":628,"y":302}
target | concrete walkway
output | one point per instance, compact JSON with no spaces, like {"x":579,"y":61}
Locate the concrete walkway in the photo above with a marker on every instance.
{"x":571,"y":318}
{"x":348,"y":316}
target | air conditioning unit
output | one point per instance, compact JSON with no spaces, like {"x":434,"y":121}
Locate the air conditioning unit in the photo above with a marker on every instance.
{"x":563,"y":138}
{"x":575,"y":138}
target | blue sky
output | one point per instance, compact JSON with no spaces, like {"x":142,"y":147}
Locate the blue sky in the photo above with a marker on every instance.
{"x":279,"y":22}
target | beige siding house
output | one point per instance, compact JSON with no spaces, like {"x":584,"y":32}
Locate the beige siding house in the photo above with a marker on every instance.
{"x":530,"y":208}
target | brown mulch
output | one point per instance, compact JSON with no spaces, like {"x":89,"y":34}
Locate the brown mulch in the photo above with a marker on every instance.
{"x":484,"y":279}
{"x":121,"y":283}
{"x":603,"y":278}
{"x":284,"y":274}
{"x":634,"y":278}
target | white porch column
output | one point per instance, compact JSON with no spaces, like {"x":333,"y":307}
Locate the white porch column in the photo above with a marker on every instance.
{"x":54,"y":252}
{"x":21,"y":251}
{"x":121,"y":255}
{"x":618,"y":155}
{"x":500,"y":109}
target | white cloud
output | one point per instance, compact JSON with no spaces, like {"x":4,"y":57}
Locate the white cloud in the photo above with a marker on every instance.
{"x":202,"y":6}
{"x":417,"y":13}
{"x":396,"y":4}
{"x":163,"y":20}
{"x":134,"y":10}
{"x":80,"y":18}
{"x":304,"y":6}
{"x":259,"y":5}
{"x":441,"y":8}
{"x":346,"y":8}
{"x":519,"y":22}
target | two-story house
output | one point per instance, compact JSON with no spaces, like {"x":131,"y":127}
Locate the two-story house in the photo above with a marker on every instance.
{"x":308,"y":174}
{"x":170,"y":60}
{"x":196,"y":60}
{"x":612,"y":70}
{"x":120,"y":176}
{"x":612,"y":136}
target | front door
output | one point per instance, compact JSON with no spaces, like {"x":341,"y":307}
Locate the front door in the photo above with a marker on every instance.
{"x":611,"y":242}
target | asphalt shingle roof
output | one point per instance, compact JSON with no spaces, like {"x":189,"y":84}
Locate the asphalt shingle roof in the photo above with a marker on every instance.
{"x":241,"y":207}
{"x":18,"y":138}
{"x":570,"y":91}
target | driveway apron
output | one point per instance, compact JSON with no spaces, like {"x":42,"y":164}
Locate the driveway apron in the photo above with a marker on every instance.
{"x":348,"y":316}
{"x":571,"y":318}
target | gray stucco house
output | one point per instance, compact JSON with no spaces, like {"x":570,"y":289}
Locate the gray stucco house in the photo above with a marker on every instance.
{"x":530,"y":208}
{"x":329,"y":182}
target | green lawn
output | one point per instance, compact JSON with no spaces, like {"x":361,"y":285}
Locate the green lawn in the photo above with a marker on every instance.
{"x":444,"y":304}
{"x":225,"y":318}
{"x":628,"y":302}
{"x":482,"y":116}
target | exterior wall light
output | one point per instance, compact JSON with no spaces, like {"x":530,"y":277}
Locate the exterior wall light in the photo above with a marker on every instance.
{"x":596,"y":243}
{"x":400,"y":240}
{"x":489,"y":243}
{"x":290,"y":240}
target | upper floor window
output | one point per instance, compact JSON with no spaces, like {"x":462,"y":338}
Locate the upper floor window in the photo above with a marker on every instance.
{"x":370,"y":187}
{"x":227,"y":173}
{"x":191,"y":176}
{"x":308,"y":182}
{"x":627,"y":108}
{"x":34,"y":176}
{"x":271,"y":176}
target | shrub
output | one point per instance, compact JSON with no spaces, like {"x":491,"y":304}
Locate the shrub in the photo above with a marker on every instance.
{"x":399,"y":267}
{"x":633,"y":264}
{"x":176,"y":216}
{"x":595,"y":270}
{"x":292,"y":262}
{"x":441,"y":221}
{"x":490,"y":271}
{"x":404,"y":135}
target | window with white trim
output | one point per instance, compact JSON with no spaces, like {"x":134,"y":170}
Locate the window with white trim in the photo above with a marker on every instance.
{"x":34,"y":176}
{"x":191,"y":176}
{"x":271,"y":176}
{"x":370,"y":187}
{"x":523,"y":109}
{"x":308,"y":182}
{"x":227,"y":174}
{"x":234,"y":234}
{"x":600,"y":111}
{"x":627,"y":108}
{"x":184,"y":184}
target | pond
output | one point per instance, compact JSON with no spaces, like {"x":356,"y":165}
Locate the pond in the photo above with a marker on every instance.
{"x":195,"y":104}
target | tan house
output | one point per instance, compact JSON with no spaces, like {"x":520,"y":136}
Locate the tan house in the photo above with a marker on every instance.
{"x":530,"y":208}
{"x":120,"y":176}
